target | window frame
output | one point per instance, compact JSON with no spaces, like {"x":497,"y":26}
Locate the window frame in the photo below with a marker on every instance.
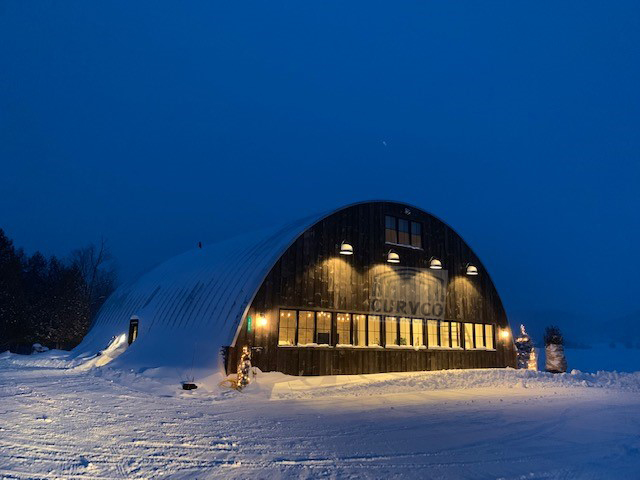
{"x":396,"y":230}
{"x":350,"y":323}
{"x":473,"y":337}
{"x":379,"y":331}
{"x":397,"y":331}
{"x":376,"y":324}
{"x":479,"y":326}
{"x":421,"y":322}
{"x":458,"y":336}
{"x":489,"y":326}
{"x":295,"y":327}
{"x":355,"y":331}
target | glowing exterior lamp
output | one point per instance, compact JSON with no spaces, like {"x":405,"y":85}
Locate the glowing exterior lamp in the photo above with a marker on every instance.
{"x":346,"y":249}
{"x":472,"y":269}
{"x":261,"y":321}
{"x":435,"y":264}
{"x":393,"y":257}
{"x":504,"y":334}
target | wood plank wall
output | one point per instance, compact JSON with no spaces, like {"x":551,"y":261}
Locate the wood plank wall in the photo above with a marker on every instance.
{"x":311,"y":274}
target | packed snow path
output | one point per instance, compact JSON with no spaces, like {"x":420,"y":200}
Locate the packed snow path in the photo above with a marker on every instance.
{"x":62,"y":423}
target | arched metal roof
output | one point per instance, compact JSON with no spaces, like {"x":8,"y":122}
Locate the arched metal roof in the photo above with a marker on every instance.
{"x":192,"y":304}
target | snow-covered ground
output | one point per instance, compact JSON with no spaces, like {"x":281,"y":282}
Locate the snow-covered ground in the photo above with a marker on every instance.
{"x":62,"y":422}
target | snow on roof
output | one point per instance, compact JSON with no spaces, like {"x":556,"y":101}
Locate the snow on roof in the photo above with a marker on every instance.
{"x":192,"y":304}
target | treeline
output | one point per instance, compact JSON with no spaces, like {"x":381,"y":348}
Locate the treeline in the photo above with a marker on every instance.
{"x":48,"y":300}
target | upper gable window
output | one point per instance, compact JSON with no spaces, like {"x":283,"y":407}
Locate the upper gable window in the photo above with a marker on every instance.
{"x":390,"y":230}
{"x":416,"y":234}
{"x":402,"y":232}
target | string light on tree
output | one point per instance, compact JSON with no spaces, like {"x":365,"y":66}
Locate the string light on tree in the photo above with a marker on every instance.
{"x":526,"y":354}
{"x":244,"y":368}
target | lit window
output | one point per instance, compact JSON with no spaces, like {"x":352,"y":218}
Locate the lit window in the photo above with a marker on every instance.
{"x":403,"y":232}
{"x":468,"y":336}
{"x":416,"y":234}
{"x":444,"y":335}
{"x":343,"y":327}
{"x":390,"y":232}
{"x":488,"y":334}
{"x":418,"y":333}
{"x":455,"y":334}
{"x":323,"y":334}
{"x":287,"y":329}
{"x":432,"y":333}
{"x":405,"y":331}
{"x":391,"y":330}
{"x":360,"y":330}
{"x":479,"y":336}
{"x":374,"y":330}
{"x":305,"y":328}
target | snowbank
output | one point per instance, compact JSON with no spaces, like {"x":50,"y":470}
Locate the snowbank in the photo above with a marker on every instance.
{"x":167,"y":381}
{"x":284,"y":386}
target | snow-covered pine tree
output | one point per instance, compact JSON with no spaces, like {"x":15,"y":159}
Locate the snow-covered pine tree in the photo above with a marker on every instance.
{"x":556,"y":362}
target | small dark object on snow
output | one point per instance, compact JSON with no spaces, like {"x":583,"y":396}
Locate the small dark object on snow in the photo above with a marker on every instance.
{"x":189,"y":386}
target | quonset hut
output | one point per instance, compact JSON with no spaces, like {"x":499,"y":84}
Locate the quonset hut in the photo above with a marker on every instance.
{"x":372,"y":287}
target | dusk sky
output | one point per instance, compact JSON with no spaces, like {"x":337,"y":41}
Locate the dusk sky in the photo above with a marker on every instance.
{"x":160,"y":124}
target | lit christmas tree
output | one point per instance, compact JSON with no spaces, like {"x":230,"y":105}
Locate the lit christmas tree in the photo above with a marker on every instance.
{"x":244,"y":369}
{"x":526,"y":353}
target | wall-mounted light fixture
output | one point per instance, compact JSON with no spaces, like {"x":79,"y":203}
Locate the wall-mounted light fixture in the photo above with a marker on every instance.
{"x":393,"y":257}
{"x":261,"y":321}
{"x":435,"y":264}
{"x":346,"y":249}
{"x":504,"y":334}
{"x":471,"y":269}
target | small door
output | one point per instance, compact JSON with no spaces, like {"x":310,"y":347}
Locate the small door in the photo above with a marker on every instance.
{"x":133,"y":329}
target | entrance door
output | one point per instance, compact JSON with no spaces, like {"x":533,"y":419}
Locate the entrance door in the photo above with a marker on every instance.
{"x":133,"y":329}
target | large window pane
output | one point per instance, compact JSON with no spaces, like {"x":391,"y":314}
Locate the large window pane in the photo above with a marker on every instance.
{"x":444,"y":335}
{"x":343,"y":324}
{"x":391,"y":330}
{"x":287,"y":328}
{"x":455,"y":334}
{"x":432,"y":333}
{"x":416,"y":234}
{"x":488,"y":334}
{"x":374,"y":330}
{"x":468,"y":336}
{"x":323,"y":334}
{"x":305,"y":327}
{"x":405,"y":331}
{"x":390,"y":232}
{"x":418,"y":333}
{"x":403,"y":232}
{"x":360,"y":330}
{"x":479,"y":336}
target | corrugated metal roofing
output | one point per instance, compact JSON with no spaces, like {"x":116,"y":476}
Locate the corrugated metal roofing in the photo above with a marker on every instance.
{"x":194,"y":303}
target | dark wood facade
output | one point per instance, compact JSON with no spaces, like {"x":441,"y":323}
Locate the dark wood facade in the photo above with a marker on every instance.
{"x":311,"y":275}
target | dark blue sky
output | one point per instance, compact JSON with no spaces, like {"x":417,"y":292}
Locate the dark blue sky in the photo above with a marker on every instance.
{"x":158,"y":124}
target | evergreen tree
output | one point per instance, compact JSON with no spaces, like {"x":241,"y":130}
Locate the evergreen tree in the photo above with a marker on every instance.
{"x":526,"y":355}
{"x":11,"y":295}
{"x":49,"y":301}
{"x":556,"y":362}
